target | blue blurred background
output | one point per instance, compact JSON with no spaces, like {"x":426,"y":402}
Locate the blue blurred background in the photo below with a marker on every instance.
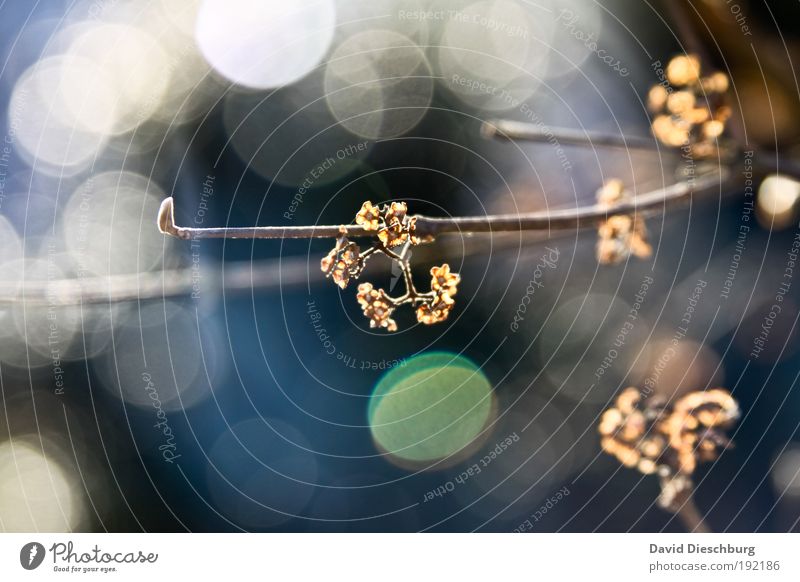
{"x":163,"y":385}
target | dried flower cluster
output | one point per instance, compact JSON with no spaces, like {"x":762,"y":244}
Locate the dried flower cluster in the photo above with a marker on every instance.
{"x":344,"y":261}
{"x":444,"y":285}
{"x":669,"y":439}
{"x":377,"y":306}
{"x":395,"y":228}
{"x":692,"y":110}
{"x":395,"y":233}
{"x":621,"y":235}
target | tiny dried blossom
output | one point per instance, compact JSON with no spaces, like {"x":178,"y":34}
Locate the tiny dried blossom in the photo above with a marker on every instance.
{"x":437,"y":305}
{"x":342,"y":262}
{"x":620,"y":236}
{"x":396,"y":213}
{"x":692,"y":111}
{"x":369,"y":216}
{"x":395,"y":228}
{"x":445,"y":281}
{"x":377,"y":306}
{"x":680,"y":102}
{"x":668,"y":438}
{"x":436,"y":309}
{"x":398,"y":233}
{"x":398,"y":227}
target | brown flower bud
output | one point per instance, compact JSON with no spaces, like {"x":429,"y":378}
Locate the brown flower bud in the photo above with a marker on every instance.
{"x":369,"y":216}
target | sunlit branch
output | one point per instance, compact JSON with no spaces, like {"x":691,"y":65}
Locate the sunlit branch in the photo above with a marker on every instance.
{"x":546,"y":220}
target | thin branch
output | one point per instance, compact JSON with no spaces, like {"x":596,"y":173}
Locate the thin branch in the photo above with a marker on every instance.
{"x":569,"y":218}
{"x":163,"y":284}
{"x":513,"y":130}
{"x":213,"y":278}
{"x":691,"y":517}
{"x":764,"y":161}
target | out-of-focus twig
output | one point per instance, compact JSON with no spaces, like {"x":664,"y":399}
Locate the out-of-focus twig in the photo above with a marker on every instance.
{"x":518,"y":130}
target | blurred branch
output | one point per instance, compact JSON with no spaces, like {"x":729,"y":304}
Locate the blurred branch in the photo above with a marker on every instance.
{"x":230,"y":278}
{"x":691,"y":517}
{"x":512,"y":130}
{"x":154,"y":284}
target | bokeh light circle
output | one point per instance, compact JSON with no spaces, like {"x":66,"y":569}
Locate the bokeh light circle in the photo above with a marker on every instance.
{"x":107,"y":229}
{"x":378,"y":84}
{"x":777,"y":202}
{"x":431,"y":409}
{"x":42,"y":118}
{"x":291,"y":137}
{"x":265,"y":43}
{"x":36,"y":492}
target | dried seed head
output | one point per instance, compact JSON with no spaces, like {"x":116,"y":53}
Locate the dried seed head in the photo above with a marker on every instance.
{"x":396,"y":213}
{"x":723,"y":113}
{"x":436,"y":310}
{"x":713,"y":129}
{"x":398,"y":233}
{"x":444,"y":285}
{"x":694,"y":116}
{"x":624,"y":429}
{"x":675,"y":489}
{"x":611,"y":192}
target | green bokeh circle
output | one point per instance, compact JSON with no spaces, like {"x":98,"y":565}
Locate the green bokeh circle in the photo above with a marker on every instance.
{"x":431,"y":408}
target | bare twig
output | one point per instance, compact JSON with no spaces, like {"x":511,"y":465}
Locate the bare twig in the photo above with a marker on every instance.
{"x":677,"y":497}
{"x":764,"y":161}
{"x":692,"y":518}
{"x":182,"y":282}
{"x":569,"y":218}
{"x":231,"y":277}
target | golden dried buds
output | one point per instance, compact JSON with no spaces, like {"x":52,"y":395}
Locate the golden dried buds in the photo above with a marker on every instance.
{"x":667,"y":438}
{"x":690,"y":110}
{"x":394,"y":232}
{"x":620,"y":236}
